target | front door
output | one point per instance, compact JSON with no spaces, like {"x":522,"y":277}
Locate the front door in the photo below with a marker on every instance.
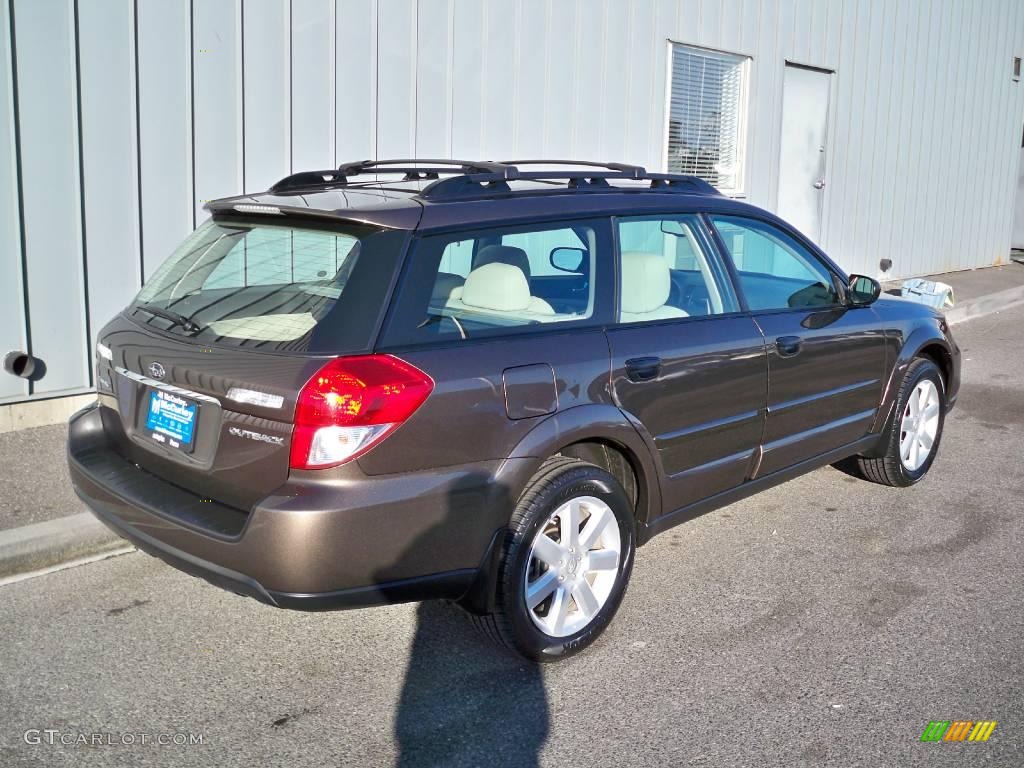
{"x":802,"y":156}
{"x":685,"y":362}
{"x":826,"y":361}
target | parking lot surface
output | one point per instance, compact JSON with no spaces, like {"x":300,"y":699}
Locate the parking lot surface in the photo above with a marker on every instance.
{"x":824,"y":622}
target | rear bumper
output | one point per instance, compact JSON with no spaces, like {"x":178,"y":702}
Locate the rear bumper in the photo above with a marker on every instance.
{"x":312,"y":545}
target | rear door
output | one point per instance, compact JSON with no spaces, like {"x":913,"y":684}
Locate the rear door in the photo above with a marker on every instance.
{"x":685,"y":361}
{"x":826,"y":361}
{"x":502,"y":357}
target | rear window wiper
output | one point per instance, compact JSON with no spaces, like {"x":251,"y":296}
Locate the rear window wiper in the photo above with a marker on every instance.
{"x":167,"y":314}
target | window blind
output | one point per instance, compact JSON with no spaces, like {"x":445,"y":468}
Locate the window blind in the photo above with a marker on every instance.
{"x":705,"y":116}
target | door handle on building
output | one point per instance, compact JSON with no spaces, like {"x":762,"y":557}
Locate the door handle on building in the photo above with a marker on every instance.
{"x":819,"y":184}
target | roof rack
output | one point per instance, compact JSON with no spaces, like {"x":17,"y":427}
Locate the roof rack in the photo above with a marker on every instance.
{"x":472,"y":178}
{"x":637,"y":170}
{"x":416,"y":167}
{"x":411,"y":170}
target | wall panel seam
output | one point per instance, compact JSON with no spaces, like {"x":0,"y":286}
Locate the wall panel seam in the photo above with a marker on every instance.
{"x":241,"y":90}
{"x":84,"y":243}
{"x":19,"y":172}
{"x":19,"y":183}
{"x":192,"y":102}
{"x":138,"y":141}
{"x":450,"y":80}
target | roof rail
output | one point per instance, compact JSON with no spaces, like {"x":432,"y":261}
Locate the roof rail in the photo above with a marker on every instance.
{"x":637,"y":170}
{"x":416,"y":166}
{"x":307,"y":179}
{"x":473,"y":178}
{"x":482,"y":184}
{"x":411,"y":170}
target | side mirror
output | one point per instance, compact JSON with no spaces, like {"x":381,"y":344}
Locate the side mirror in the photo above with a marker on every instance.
{"x":862,"y":290}
{"x":567,"y":259}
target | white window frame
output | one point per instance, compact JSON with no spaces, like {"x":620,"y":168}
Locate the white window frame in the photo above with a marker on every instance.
{"x":740,"y":187}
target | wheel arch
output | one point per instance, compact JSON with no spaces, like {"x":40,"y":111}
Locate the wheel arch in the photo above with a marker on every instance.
{"x":600,"y":434}
{"x":618,"y":461}
{"x":941,"y":356}
{"x":924,"y":341}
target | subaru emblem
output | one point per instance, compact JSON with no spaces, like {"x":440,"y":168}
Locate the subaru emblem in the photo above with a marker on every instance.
{"x":156,"y":371}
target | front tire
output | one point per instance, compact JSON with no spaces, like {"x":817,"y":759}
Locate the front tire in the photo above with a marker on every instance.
{"x":911,"y":439}
{"x":566,"y":561}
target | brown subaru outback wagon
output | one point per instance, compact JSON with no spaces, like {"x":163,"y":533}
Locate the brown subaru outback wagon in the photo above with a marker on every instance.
{"x":489,"y":383}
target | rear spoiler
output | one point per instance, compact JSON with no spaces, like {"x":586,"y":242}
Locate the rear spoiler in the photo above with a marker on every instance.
{"x":394,"y":217}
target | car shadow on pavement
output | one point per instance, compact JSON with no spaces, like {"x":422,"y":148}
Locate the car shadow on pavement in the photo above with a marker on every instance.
{"x":464,"y":700}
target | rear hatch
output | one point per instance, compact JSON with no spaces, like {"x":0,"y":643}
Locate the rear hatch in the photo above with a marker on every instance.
{"x":201,"y":372}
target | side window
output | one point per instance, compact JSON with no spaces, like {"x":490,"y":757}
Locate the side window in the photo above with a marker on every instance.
{"x":775,"y":271}
{"x":539,"y":245}
{"x":668,"y":269}
{"x":489,"y":282}
{"x":457,"y":258}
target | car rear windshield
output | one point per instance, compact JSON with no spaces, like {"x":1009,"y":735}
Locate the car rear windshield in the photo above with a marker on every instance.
{"x":273,"y":287}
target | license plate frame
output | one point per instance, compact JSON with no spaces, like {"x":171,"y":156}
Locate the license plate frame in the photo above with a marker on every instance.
{"x":171,"y":419}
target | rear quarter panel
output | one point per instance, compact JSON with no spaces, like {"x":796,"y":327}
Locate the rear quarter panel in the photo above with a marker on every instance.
{"x":466,"y":418}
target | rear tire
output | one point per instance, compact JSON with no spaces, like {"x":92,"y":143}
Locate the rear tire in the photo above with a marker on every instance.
{"x":566,"y":561}
{"x":911,"y":439}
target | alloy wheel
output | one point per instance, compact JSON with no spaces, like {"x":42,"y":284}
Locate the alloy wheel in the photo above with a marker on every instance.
{"x":920,"y":425}
{"x":574,"y":561}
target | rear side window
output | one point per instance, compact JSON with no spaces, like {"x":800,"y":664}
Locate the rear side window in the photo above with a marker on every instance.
{"x":774,"y":270}
{"x":498,"y":281}
{"x":273,"y":287}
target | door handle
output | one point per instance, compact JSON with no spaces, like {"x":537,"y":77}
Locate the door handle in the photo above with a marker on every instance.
{"x":643,"y":368}
{"x":788,"y":345}
{"x":819,"y":184}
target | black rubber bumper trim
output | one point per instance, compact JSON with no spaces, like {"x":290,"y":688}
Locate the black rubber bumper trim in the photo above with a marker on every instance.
{"x":225,"y":578}
{"x":450,"y":584}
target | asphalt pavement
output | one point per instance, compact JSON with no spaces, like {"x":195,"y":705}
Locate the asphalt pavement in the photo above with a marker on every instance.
{"x":824,"y":622}
{"x":35,"y":485}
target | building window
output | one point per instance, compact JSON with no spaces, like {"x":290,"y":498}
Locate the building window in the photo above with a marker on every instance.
{"x":707,"y":115}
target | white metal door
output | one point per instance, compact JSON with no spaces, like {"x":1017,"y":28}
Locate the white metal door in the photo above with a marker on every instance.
{"x":802,"y":156}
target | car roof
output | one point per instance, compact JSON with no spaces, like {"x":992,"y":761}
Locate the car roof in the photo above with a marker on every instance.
{"x":438,"y":194}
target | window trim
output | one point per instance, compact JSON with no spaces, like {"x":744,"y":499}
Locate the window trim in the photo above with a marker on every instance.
{"x":604,"y":285}
{"x":839,"y":278}
{"x":740,"y":190}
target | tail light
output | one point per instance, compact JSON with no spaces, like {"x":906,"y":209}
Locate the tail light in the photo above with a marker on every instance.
{"x":350,"y":405}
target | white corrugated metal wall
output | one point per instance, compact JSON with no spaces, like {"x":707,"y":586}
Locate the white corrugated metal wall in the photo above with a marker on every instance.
{"x":120,"y":118}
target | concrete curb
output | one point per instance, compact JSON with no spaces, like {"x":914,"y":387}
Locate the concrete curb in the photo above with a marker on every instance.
{"x":985,"y":305}
{"x":54,"y":542}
